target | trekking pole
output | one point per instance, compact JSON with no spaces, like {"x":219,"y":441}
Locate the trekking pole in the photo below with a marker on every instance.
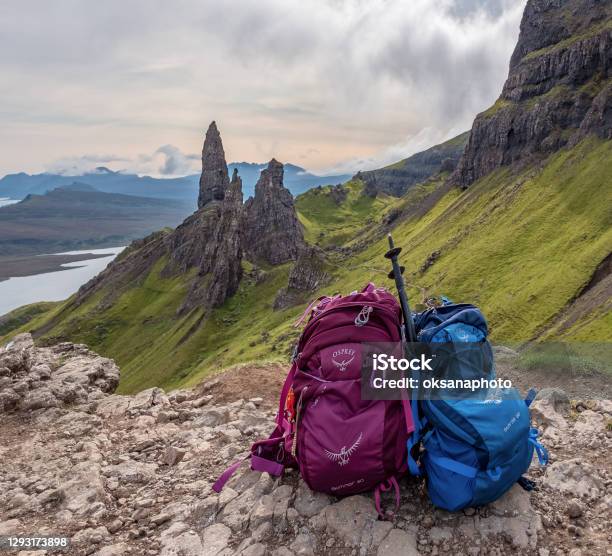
{"x":396,"y":274}
{"x":411,"y":410}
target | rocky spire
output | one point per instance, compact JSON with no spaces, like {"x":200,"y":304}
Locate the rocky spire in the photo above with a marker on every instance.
{"x":214,"y":180}
{"x":271,"y":224}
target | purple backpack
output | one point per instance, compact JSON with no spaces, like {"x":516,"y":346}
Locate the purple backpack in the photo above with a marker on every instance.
{"x":340,"y":443}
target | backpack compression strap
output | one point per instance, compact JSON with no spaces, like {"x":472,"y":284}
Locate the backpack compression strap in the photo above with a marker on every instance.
{"x":257,"y":464}
{"x":540,"y":450}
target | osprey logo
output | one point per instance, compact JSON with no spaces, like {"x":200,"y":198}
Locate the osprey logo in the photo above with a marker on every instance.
{"x":343,"y":456}
{"x":347,"y":355}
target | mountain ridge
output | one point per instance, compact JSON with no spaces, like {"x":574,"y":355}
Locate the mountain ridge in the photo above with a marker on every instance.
{"x":298,"y":180}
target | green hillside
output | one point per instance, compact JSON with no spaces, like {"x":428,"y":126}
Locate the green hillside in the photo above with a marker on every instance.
{"x":521,"y":246}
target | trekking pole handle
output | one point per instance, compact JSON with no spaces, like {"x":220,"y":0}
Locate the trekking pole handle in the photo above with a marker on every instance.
{"x":401,"y":290}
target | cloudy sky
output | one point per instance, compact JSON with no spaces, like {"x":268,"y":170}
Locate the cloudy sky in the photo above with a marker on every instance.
{"x":331,"y":85}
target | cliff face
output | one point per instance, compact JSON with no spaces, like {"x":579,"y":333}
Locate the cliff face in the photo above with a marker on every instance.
{"x":210,"y":240}
{"x":273,"y":233}
{"x":558,"y":89}
{"x":309,"y":273}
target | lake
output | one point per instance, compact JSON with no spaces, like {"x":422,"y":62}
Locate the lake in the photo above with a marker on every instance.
{"x":54,"y":286}
{"x":5,"y":201}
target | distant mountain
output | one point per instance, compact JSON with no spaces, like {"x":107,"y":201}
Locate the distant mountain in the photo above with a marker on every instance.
{"x":76,"y":216}
{"x":397,"y":178}
{"x":296,"y":179}
{"x":77,"y":186}
{"x":18,"y":186}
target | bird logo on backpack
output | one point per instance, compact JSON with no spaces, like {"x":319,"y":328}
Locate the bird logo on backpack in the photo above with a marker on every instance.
{"x":343,"y":456}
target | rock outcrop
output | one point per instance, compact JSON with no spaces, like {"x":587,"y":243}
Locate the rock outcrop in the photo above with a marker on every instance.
{"x":34,"y":378}
{"x":307,"y":275}
{"x":133,"y":475}
{"x":558,"y":88}
{"x":211,"y":241}
{"x":273,"y":233}
{"x":214,"y":179}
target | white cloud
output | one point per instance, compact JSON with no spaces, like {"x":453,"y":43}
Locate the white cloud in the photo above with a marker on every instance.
{"x":166,"y":161}
{"x":177,"y":163}
{"x":316,"y":83}
{"x":422,"y":140}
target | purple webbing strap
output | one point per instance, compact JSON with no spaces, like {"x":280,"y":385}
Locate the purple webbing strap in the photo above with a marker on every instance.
{"x":408,"y":416}
{"x":257,"y":464}
{"x":225,"y":476}
{"x":266,"y":465}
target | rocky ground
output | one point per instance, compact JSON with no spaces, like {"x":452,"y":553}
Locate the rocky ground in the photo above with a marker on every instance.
{"x":133,"y":474}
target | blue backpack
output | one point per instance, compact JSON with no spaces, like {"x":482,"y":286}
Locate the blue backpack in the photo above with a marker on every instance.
{"x":476,"y":446}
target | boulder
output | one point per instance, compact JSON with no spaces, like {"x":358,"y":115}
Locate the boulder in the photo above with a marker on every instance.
{"x":215,"y":538}
{"x":544,"y":414}
{"x":308,"y":502}
{"x":398,"y":543}
{"x":576,"y":477}
{"x":558,"y":397}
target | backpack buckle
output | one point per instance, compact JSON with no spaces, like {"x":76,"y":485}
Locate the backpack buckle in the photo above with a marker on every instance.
{"x":364,"y":315}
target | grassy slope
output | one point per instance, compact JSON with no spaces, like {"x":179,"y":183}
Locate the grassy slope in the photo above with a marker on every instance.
{"x":328,"y":223}
{"x":520,"y":246}
{"x":31,"y":315}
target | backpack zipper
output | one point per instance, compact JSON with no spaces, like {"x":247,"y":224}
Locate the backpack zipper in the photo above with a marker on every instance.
{"x":350,"y":304}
